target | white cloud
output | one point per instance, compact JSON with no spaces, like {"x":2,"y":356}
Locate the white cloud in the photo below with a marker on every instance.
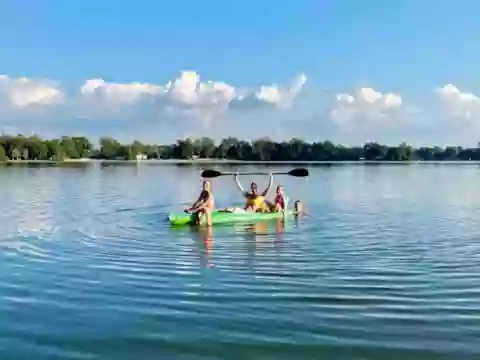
{"x":189,"y":91}
{"x":185,"y":91}
{"x":119,"y":93}
{"x":187,"y":97}
{"x":459,"y":104}
{"x":187,"y":94}
{"x":25,"y":92}
{"x":271,"y":95}
{"x":366,"y":104}
{"x":218,"y":108}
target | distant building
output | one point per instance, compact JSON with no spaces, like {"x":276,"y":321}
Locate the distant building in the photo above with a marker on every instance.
{"x":141,"y":157}
{"x":16,"y":155}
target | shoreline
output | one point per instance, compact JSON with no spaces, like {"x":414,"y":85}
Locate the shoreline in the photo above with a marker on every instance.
{"x":230,"y":162}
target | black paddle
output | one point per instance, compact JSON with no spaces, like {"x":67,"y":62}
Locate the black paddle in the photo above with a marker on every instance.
{"x":210,"y":173}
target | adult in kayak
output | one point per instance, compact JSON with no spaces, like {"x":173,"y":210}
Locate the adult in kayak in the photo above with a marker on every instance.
{"x":255,"y":199}
{"x":204,"y":205}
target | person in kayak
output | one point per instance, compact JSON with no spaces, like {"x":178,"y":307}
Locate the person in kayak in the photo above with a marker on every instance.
{"x":280,"y":200}
{"x":255,"y":199}
{"x":204,"y":205}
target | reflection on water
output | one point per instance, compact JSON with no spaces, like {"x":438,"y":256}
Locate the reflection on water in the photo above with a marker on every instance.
{"x":256,"y":235}
{"x":385,"y":265}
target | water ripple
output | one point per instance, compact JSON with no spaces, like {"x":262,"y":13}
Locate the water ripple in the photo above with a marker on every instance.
{"x":90,"y":270}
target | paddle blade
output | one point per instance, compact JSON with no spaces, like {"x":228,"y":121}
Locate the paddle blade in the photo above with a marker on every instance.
{"x":209,"y":173}
{"x":300,"y":172}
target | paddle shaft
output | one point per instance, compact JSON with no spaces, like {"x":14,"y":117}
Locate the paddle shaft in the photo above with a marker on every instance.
{"x":254,"y":173}
{"x":210,"y":173}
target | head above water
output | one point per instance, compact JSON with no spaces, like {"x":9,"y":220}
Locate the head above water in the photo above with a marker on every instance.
{"x":298,"y":207}
{"x":280,"y":189}
{"x":207,"y":185}
{"x":254,"y":188}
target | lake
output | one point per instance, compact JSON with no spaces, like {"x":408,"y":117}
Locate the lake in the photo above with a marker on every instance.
{"x":385,"y":265}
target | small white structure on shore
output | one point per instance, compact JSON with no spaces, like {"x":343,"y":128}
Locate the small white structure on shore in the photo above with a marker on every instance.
{"x":140,"y":157}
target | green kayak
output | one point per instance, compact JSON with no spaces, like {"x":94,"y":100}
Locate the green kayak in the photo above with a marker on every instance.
{"x":221,"y":217}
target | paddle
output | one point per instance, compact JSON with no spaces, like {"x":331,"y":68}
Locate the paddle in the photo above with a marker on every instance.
{"x":298,"y":172}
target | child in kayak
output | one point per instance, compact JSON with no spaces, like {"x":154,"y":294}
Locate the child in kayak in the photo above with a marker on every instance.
{"x":204,"y":204}
{"x":280,"y":200}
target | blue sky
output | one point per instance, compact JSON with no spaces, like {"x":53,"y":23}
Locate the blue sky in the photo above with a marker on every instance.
{"x":407,"y":48}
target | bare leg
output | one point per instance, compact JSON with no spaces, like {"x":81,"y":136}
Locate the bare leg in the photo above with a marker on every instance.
{"x":199,"y":215}
{"x":208,"y":217}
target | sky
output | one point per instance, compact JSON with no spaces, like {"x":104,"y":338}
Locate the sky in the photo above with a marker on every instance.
{"x":346,"y":71}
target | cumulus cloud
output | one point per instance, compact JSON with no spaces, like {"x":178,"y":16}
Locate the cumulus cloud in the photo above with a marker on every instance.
{"x":119,"y":93}
{"x":211,"y":107}
{"x":459,"y":104}
{"x":188,"y":92}
{"x":271,"y":95}
{"x":184,"y":103}
{"x":24,"y":92}
{"x":365,"y":104}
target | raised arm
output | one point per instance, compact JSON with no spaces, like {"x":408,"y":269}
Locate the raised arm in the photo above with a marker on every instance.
{"x":239,"y":186}
{"x":269,"y":186}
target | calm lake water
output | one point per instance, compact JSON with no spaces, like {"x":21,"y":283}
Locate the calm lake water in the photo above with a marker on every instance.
{"x":386,"y":265}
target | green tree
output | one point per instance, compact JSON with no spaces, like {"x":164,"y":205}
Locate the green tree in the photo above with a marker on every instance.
{"x":37,"y":149}
{"x":109,"y":148}
{"x":184,"y":149}
{"x":54,"y":150}
{"x":69,"y":148}
{"x":374,"y":151}
{"x":83,"y":146}
{"x":3,"y":155}
{"x":137,"y":148}
{"x":204,"y":147}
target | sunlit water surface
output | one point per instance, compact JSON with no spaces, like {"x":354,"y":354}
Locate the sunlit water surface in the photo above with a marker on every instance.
{"x":386,"y":265}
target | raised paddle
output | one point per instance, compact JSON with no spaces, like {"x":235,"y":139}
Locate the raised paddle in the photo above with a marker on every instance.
{"x":210,"y":173}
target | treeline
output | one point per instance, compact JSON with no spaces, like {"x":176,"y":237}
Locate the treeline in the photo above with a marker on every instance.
{"x":34,"y":148}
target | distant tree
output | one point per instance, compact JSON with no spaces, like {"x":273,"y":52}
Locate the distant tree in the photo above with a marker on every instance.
{"x":264,"y":149}
{"x":69,"y":148}
{"x":204,"y":147}
{"x":374,"y":151}
{"x":83,"y":146}
{"x":3,"y":155}
{"x":109,"y":148}
{"x":184,"y":149}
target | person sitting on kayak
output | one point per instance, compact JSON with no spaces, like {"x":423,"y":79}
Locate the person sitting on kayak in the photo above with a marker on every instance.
{"x":255,"y":199}
{"x":280,"y":200}
{"x":204,"y":204}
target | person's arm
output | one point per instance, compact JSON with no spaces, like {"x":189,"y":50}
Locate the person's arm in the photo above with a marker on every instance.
{"x":201,"y":203}
{"x":269,"y":186}
{"x":199,"y":206}
{"x":239,"y":186}
{"x":196,"y":203}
